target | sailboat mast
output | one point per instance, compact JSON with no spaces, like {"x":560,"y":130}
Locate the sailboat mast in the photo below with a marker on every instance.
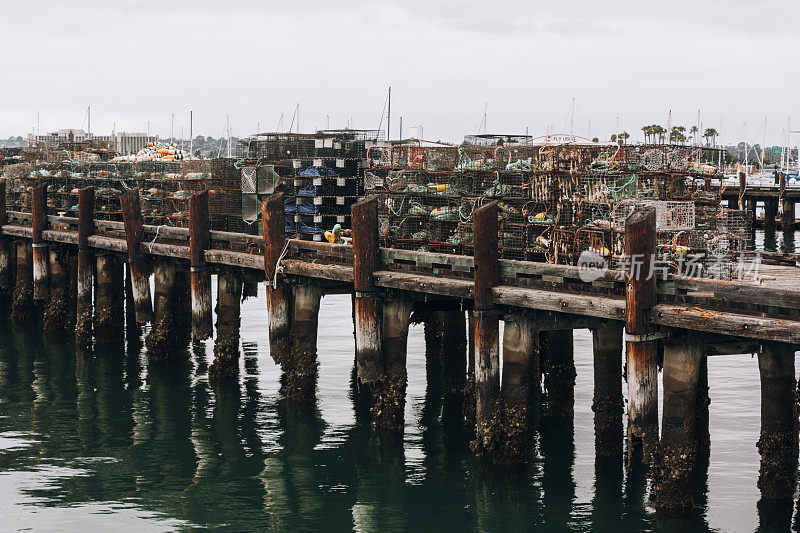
{"x":389,"y":116}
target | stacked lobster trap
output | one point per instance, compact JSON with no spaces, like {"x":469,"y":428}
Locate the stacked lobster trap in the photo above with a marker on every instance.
{"x":164,"y":187}
{"x":320,"y":174}
{"x":555,"y":202}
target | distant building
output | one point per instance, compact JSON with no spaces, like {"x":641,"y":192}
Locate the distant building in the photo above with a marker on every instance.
{"x":121,"y":142}
{"x":490,"y":139}
{"x":129,"y":143}
{"x":65,"y":136}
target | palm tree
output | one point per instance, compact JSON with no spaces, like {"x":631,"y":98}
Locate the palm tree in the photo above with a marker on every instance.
{"x":677,"y":134}
{"x":711,"y":133}
{"x":648,"y":131}
{"x":623,"y":137}
{"x":659,"y":132}
{"x":692,"y":133}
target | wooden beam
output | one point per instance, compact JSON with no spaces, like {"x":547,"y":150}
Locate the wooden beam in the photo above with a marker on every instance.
{"x":40,"y":257}
{"x":367,"y":305}
{"x":487,"y":324}
{"x":83,"y":322}
{"x":5,"y":255}
{"x":727,"y":323}
{"x":132,"y":216}
{"x":200,"y":277}
{"x":642,"y":353}
{"x":279,"y":294}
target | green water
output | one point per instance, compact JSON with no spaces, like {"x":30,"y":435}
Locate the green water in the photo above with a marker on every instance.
{"x":95,"y":441}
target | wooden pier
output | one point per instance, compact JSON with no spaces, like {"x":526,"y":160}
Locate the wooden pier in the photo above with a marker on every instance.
{"x":672,"y":323}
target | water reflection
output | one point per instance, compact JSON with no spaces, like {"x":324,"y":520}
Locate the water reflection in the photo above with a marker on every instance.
{"x":102,"y":427}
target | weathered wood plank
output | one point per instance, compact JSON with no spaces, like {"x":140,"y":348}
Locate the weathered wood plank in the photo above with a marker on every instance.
{"x":726,"y":323}
{"x":576,"y":304}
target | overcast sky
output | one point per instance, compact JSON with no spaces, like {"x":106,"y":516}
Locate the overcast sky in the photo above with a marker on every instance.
{"x":736,"y":61}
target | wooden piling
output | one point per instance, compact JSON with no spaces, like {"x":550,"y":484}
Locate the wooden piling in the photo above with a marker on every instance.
{"x":742,"y":189}
{"x":70,"y":259}
{"x":22,"y":310}
{"x":702,"y":415}
{"x":199,"y":239}
{"x":787,"y":224}
{"x":770,"y":212}
{"x":750,"y":207}
{"x":389,"y":403}
{"x":105,"y":295}
{"x":40,"y":255}
{"x":132,"y":328}
{"x":487,"y":325}
{"x":5,"y":253}
{"x":56,"y":312}
{"x":675,"y":459}
{"x":558,"y":365}
{"x":641,"y":346}
{"x":468,"y":401}
{"x":134,"y":232}
{"x":225,"y":367}
{"x":446,"y":348}
{"x":607,"y":404}
{"x":279,"y":294}
{"x":367,"y":310}
{"x":778,"y":443}
{"x":84,"y":303}
{"x":161,"y":336}
{"x":520,"y":341}
{"x":301,"y":377}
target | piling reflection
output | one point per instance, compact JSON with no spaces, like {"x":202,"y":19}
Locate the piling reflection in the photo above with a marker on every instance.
{"x":108,"y":428}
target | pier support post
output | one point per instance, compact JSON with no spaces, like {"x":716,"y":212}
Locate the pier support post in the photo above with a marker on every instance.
{"x":770,"y":212}
{"x":750,"y":208}
{"x":134,"y":232}
{"x":22,"y":306}
{"x":202,"y":320}
{"x":390,"y":392}
{"x":703,"y":401}
{"x":446,"y":347}
{"x":83,"y":322}
{"x":787,"y":224}
{"x":468,"y":401}
{"x":673,"y":466}
{"x":607,"y":404}
{"x":742,"y":189}
{"x":225,"y":367}
{"x":367,"y":303}
{"x":279,"y":294}
{"x":301,"y":377}
{"x":487,"y":327}
{"x":778,"y":444}
{"x":40,"y":255}
{"x":559,"y":374}
{"x":56,"y":312}
{"x":519,"y":349}
{"x":5,"y":252}
{"x":104,"y":299}
{"x":161,"y":336}
{"x":641,"y":348}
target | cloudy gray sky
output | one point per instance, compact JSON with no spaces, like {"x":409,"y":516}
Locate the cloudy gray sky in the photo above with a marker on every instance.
{"x":133,"y":62}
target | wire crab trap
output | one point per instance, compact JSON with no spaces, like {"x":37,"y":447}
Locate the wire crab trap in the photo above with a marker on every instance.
{"x":511,"y":240}
{"x":441,"y":158}
{"x":671,"y":216}
{"x":406,"y":156}
{"x":482,"y":157}
{"x":379,"y":156}
{"x":678,"y":158}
